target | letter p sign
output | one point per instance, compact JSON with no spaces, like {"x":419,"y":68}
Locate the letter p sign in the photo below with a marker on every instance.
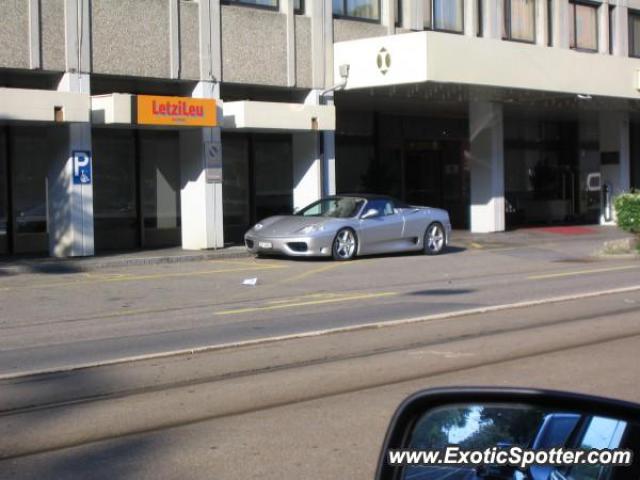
{"x":81,"y":167}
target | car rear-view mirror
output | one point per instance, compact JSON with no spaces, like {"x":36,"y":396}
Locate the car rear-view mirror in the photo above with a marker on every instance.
{"x":511,"y":434}
{"x":371,"y":213}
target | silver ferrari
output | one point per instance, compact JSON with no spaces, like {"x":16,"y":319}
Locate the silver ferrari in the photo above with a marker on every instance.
{"x":346,"y":226}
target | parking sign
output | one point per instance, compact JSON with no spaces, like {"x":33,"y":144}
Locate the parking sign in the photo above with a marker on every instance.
{"x":81,"y":167}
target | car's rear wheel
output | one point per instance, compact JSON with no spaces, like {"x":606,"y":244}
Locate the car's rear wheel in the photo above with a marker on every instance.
{"x":345,"y":245}
{"x":434,"y":239}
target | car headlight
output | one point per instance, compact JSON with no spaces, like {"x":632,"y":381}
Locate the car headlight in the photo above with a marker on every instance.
{"x":258,"y":226}
{"x":309,"y":229}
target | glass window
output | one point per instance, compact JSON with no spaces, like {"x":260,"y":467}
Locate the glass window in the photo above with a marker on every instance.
{"x":256,"y":3}
{"x":397,"y":5}
{"x":298,"y":7}
{"x":4,"y":213}
{"x":550,"y":22}
{"x":338,"y":207}
{"x":583,"y":24}
{"x":519,"y":17}
{"x":480,"y":18}
{"x":427,"y":13}
{"x":634,"y":34}
{"x":357,"y":9}
{"x":448,"y":15}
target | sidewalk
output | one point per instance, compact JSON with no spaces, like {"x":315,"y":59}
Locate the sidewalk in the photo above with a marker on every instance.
{"x":14,"y":265}
{"x":595,"y":235}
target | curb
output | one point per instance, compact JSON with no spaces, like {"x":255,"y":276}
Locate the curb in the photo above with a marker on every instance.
{"x":96,"y":263}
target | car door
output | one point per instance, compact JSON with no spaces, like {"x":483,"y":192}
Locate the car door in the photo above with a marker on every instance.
{"x":383,"y":232}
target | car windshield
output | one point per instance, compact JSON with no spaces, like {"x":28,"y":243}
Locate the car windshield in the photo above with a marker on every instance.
{"x":335,"y":207}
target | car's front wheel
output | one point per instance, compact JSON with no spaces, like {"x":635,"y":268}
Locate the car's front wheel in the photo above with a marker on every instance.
{"x":345,"y":245}
{"x":434,"y":239}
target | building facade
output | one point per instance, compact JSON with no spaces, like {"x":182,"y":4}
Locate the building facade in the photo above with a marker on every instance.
{"x":129,"y":124}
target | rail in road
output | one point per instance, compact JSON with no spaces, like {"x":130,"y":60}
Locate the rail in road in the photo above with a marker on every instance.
{"x":117,"y":400}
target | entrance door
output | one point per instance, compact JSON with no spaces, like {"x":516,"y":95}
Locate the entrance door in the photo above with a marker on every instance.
{"x":423,"y":175}
{"x":159,"y":157}
{"x":4,"y":195}
{"x":115,"y":205}
{"x":136,"y":188}
{"x":257,"y":180}
{"x":28,"y":155}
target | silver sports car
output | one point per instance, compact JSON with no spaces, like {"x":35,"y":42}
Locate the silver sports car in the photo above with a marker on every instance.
{"x":345,"y":226}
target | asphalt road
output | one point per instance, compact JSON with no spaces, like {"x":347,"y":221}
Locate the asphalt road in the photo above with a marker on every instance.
{"x":303,"y":408}
{"x":57,"y":321}
{"x":313,"y":406}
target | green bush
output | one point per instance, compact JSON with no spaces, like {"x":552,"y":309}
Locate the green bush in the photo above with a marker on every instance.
{"x":628,"y":212}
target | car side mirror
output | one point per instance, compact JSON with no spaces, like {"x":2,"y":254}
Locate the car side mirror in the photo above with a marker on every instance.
{"x":488,"y":432}
{"x":371,"y":213}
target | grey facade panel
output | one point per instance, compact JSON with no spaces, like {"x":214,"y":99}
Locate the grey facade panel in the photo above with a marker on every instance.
{"x":189,"y":43}
{"x":14,"y":34}
{"x":254,"y":46}
{"x":344,"y":30}
{"x":52,"y":35}
{"x":303,"y":52}
{"x":131,"y":37}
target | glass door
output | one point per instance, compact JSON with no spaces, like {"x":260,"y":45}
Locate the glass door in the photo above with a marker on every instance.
{"x":273,"y":172}
{"x":115,"y":205}
{"x":159,"y":156}
{"x":236,"y":187}
{"x":423,"y":174}
{"x":4,"y":195}
{"x":28,"y":157}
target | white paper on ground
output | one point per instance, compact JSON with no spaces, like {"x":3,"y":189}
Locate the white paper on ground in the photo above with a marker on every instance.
{"x":250,"y":282}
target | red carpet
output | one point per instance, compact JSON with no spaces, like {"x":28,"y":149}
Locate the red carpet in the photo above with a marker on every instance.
{"x":566,"y":230}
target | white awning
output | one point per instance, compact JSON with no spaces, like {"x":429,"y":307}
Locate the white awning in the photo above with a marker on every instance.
{"x":273,"y":116}
{"x":115,"y":108}
{"x":458,"y":59}
{"x":28,"y":105}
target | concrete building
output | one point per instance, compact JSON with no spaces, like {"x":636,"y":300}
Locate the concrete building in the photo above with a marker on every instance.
{"x":131,"y":124}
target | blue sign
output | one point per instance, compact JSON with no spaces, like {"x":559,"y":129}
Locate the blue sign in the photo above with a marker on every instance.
{"x":81,"y":167}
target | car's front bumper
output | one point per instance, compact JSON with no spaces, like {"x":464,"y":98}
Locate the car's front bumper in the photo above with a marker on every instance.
{"x":302,"y":246}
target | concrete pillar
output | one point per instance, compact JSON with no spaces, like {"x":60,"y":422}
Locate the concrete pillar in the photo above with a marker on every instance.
{"x":70,"y":203}
{"x":492,"y":18}
{"x":614,"y":141}
{"x":487,"y":167}
{"x":307,"y":168}
{"x":307,"y":162}
{"x":560,"y":23}
{"x":201,"y":181}
{"x":542,"y":22}
{"x":620,"y":24}
{"x":69,"y":199}
{"x":471,"y":18}
{"x":603,"y":28}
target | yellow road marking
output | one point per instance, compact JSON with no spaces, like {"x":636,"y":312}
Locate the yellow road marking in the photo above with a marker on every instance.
{"x":345,"y":298}
{"x":581,"y":272}
{"x":130,"y":278}
{"x":314,"y":271}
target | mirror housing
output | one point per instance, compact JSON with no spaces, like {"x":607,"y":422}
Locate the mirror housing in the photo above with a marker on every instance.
{"x":371,"y":213}
{"x":415,"y":408}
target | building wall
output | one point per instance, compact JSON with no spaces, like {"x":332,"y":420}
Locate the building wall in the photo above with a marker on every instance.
{"x":130,"y":37}
{"x":52,"y":35}
{"x":254,"y":46}
{"x":14,"y":34}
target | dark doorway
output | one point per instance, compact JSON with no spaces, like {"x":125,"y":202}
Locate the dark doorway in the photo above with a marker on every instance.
{"x":136,"y":189}
{"x":258,"y":180}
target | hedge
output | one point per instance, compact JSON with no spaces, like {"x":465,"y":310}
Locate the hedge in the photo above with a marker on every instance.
{"x":628,"y":212}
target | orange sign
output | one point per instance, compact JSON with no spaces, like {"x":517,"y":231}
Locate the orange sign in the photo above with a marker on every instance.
{"x":176,"y":111}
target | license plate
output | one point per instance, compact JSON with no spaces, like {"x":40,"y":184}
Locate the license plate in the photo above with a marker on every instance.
{"x":265,"y":245}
